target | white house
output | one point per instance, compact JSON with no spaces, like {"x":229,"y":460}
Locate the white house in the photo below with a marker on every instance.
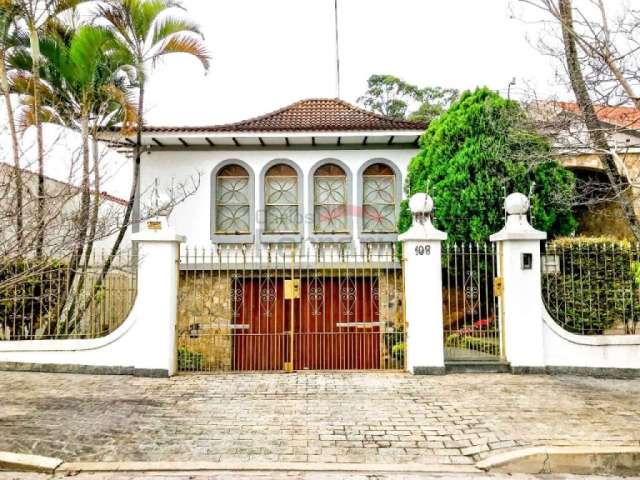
{"x":318,"y":170}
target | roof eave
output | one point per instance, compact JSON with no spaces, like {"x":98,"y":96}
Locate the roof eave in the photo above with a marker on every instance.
{"x":283,"y":134}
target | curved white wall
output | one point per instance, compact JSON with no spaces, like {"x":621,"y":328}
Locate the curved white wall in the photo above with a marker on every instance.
{"x":565,"y":349}
{"x":144,"y":344}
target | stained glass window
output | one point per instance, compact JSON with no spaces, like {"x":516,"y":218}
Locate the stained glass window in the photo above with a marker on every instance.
{"x":233,"y":201}
{"x":330,"y":200}
{"x":281,"y":201}
{"x":379,"y":199}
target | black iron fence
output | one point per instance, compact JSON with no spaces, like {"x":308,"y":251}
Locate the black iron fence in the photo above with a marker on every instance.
{"x":470,"y":306}
{"x":591,"y":286}
{"x":49,"y":299}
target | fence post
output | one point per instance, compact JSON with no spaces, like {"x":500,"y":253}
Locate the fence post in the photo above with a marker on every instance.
{"x":421,"y":249}
{"x":521,"y":302}
{"x":158,"y":258}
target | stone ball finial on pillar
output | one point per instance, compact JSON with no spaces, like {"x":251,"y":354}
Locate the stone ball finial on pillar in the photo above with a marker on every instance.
{"x":421,"y":206}
{"x":517,"y":225}
{"x":517,"y":204}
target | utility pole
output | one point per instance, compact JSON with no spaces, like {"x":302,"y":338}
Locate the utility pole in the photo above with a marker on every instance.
{"x":335,"y":9}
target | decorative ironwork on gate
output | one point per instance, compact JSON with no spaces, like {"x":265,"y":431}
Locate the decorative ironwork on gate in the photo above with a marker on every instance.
{"x":470,"y":305}
{"x":283,"y":308}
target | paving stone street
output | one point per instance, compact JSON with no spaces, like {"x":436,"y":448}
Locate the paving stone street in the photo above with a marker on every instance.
{"x":310,"y":417}
{"x":303,"y":476}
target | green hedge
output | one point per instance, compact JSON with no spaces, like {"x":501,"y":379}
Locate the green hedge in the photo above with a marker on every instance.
{"x":26,"y":304}
{"x":596,"y":287}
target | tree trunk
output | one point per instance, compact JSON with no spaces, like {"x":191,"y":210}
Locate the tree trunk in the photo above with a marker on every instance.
{"x":40,"y":220}
{"x":599,"y":140}
{"x":75,"y":287}
{"x":95,"y":208}
{"x":4,"y":82}
{"x":137,"y":151}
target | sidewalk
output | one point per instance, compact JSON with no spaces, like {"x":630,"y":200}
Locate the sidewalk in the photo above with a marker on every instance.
{"x":370,"y":418}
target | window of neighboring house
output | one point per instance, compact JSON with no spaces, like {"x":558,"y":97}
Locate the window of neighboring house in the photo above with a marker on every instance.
{"x":379,"y":199}
{"x":233,"y":201}
{"x":281,"y":202}
{"x":330,"y":200}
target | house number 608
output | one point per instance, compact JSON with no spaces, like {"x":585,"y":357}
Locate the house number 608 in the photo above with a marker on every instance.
{"x":423,"y":250}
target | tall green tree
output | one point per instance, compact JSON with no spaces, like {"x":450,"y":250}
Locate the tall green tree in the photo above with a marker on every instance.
{"x":482,"y":148}
{"x":393,"y":97}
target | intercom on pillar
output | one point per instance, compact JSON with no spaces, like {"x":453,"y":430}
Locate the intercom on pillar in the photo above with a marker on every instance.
{"x":526,"y":261}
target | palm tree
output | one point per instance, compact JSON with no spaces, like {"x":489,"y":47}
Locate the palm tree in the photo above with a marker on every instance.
{"x":10,"y":37}
{"x":84,"y":69}
{"x":37,"y":14}
{"x":83,"y":89}
{"x":147,"y":31}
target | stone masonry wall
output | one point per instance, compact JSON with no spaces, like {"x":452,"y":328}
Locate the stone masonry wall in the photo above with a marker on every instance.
{"x":204,"y":315}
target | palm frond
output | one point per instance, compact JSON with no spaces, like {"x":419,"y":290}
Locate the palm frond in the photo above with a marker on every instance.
{"x":26,"y":117}
{"x":168,"y":26}
{"x":87,"y":52}
{"x":128,"y":111}
{"x":182,"y":43}
{"x":144,"y":13}
{"x":117,"y":18}
{"x":61,"y":6}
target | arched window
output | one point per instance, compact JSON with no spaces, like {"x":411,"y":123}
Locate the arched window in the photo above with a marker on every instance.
{"x":330,"y":200}
{"x":281,"y":200}
{"x":232,"y":201}
{"x":379,"y":199}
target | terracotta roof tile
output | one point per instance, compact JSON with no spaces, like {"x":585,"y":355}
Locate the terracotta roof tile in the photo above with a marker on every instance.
{"x":627,"y":117}
{"x":313,"y":115}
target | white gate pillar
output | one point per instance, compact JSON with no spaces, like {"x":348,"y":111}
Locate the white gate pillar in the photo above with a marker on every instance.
{"x":521,"y":303}
{"x":421,"y":247}
{"x":157,"y":300}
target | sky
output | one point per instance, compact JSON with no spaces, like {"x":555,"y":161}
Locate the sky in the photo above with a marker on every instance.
{"x":269,"y":53}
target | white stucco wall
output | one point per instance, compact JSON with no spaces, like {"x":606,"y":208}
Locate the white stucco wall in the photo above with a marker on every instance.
{"x":144,"y":344}
{"x":193,"y":217}
{"x":565,"y":349}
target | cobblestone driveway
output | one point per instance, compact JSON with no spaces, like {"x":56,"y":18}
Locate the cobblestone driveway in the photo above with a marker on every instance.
{"x":309,"y":417}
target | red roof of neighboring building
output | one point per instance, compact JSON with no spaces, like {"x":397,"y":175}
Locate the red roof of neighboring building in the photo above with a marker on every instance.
{"x":627,"y":117}
{"x":103,"y":195}
{"x":313,"y":115}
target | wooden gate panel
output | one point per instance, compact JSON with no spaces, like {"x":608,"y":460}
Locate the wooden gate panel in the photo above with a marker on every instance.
{"x":260,"y":324}
{"x":337,"y":325}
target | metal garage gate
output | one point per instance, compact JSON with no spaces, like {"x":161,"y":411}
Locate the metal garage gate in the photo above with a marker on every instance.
{"x":282,"y":309}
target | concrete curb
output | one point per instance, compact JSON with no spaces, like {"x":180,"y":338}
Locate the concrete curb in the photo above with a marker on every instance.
{"x":584,"y":460}
{"x":185,"y":467}
{"x":17,"y":462}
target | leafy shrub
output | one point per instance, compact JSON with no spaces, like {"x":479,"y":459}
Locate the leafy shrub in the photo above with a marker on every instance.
{"x":596,"y":285}
{"x":472,"y":343}
{"x":398,"y":350}
{"x":189,"y":360}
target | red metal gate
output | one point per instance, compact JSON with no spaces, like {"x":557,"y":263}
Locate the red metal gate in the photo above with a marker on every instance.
{"x":291,"y":311}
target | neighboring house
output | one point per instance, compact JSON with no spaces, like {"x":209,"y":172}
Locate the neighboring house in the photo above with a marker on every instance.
{"x":622,"y":127}
{"x":61,"y":207}
{"x":318,"y":171}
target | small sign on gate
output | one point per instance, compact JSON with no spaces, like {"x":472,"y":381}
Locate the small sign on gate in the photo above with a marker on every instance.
{"x":498,"y":286}
{"x":292,"y":289}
